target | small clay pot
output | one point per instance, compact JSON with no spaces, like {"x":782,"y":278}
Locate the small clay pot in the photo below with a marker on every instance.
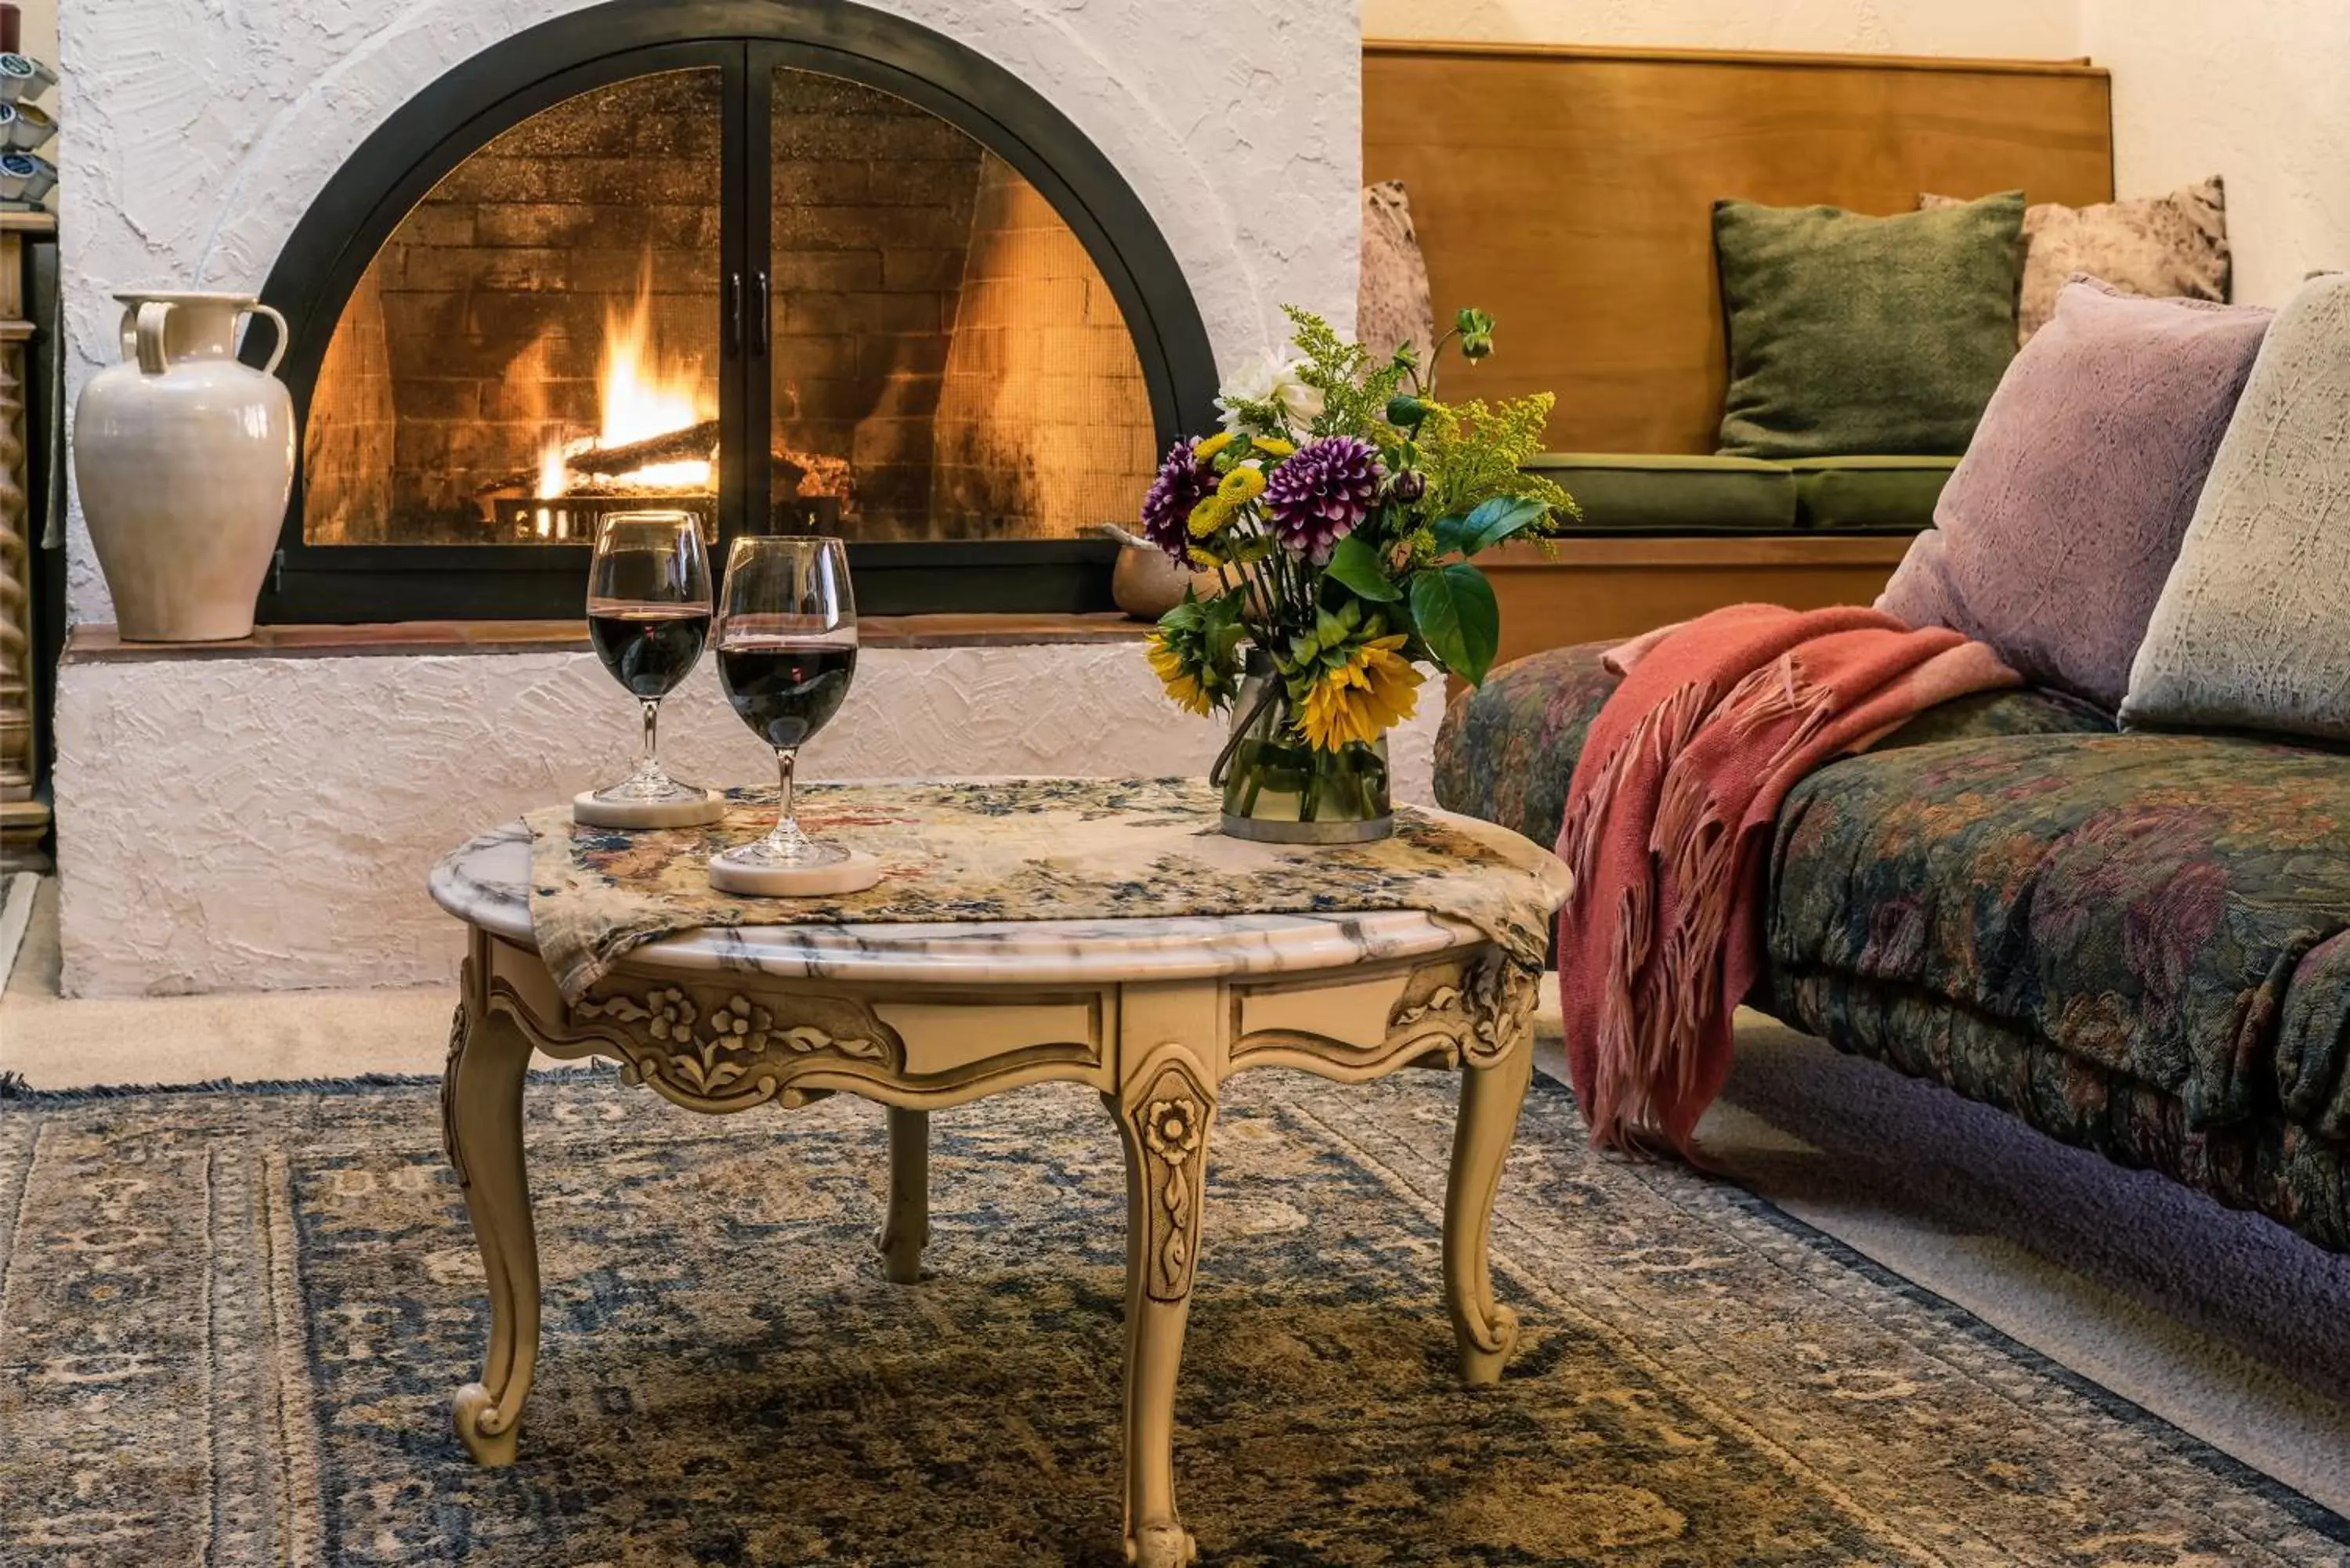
{"x":1147,"y":585}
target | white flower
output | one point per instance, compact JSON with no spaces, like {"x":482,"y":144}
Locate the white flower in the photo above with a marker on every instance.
{"x":1269,"y":377}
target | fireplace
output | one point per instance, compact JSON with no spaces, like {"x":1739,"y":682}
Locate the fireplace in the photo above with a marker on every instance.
{"x":804,"y":267}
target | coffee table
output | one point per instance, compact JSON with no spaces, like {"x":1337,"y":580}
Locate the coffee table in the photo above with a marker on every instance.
{"x":1154,"y":1013}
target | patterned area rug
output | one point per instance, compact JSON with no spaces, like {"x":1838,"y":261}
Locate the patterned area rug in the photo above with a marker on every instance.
{"x":230,"y":1323}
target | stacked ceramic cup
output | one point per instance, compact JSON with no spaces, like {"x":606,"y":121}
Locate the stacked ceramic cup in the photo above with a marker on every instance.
{"x":25,"y":177}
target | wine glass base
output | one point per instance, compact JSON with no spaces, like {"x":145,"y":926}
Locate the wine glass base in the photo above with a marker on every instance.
{"x":850,"y":871}
{"x":691,"y":806}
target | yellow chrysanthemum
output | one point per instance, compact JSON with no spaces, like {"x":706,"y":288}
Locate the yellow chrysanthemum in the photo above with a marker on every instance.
{"x":1182,"y":685}
{"x":1206,"y":560}
{"x":1374,"y":691}
{"x":1273,"y":446}
{"x":1215,"y":443}
{"x":1244,"y":484}
{"x":1212,"y":514}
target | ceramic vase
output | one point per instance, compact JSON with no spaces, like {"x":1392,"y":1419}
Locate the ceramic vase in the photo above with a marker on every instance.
{"x":183,"y":459}
{"x":1280,"y":790}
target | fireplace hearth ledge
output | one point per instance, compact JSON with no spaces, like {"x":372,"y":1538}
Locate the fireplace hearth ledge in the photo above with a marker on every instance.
{"x":99,"y":642}
{"x":260,"y":818}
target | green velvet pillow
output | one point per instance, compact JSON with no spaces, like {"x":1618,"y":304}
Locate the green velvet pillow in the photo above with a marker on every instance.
{"x":1853,"y":334}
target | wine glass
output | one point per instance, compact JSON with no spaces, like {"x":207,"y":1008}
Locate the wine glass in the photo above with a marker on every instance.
{"x":649,"y":616}
{"x":787,"y":650}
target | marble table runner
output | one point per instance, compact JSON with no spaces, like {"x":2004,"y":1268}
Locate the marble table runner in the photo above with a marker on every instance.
{"x":1025,"y":849}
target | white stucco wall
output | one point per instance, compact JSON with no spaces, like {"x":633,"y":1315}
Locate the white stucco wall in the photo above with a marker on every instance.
{"x":2259,"y":94}
{"x":259,"y":823}
{"x":2035,"y":29}
{"x":201,"y":133}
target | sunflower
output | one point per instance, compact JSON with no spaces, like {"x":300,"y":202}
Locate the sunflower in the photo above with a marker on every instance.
{"x":1178,"y":674}
{"x":1360,"y":699}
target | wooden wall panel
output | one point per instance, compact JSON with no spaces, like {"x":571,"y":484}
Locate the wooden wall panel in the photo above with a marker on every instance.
{"x":1569,"y":192}
{"x":1587,"y":590}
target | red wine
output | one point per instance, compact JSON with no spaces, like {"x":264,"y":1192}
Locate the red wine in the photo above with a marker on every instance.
{"x":648,"y":649}
{"x":785,"y":688}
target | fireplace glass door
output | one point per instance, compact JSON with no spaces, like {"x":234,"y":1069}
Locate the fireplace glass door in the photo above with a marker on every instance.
{"x":771,"y":294}
{"x":538,"y":343}
{"x":948,"y":363}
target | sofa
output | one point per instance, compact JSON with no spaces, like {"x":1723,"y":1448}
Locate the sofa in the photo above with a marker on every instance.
{"x":2138,"y":943}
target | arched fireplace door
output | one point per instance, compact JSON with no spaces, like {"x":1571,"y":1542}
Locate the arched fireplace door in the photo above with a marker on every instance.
{"x":800,"y":267}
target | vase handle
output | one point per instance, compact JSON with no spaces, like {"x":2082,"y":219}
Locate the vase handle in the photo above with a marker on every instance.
{"x":278,"y":352}
{"x":147,"y":330}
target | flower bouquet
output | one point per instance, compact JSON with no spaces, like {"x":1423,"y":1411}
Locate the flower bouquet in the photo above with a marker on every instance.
{"x":1339,"y":508}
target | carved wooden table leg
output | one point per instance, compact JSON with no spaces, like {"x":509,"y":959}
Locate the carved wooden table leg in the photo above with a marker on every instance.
{"x":1165,"y":1105}
{"x":1492,"y":1090}
{"x":481,"y":1111}
{"x":906,"y":1223}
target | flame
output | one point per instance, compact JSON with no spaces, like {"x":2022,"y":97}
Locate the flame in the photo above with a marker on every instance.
{"x":641,"y":393}
{"x":553,"y":474}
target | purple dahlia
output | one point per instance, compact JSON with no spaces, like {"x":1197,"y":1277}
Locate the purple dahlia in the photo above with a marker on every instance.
{"x":1184,"y":481}
{"x":1319,"y":495}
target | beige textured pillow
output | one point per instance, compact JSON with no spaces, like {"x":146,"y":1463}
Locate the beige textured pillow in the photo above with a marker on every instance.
{"x":1392,"y":305}
{"x":2173,"y":246}
{"x":2252,"y":630}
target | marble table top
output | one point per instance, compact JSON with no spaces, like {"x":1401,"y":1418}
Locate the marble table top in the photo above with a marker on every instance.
{"x":486,"y":883}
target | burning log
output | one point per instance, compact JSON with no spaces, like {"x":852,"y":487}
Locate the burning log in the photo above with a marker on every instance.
{"x":693,"y":442}
{"x":604,"y":470}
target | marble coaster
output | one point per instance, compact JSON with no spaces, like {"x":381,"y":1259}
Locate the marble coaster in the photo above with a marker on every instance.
{"x":854,"y":875}
{"x":586,"y":808}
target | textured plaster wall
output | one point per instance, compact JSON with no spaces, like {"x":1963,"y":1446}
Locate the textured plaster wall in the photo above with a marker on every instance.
{"x":2257,"y":93}
{"x":252,"y":824}
{"x":201,"y":133}
{"x":2026,"y":28}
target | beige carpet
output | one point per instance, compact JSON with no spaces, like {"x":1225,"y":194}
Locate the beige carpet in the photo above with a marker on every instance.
{"x":2222,"y":1323}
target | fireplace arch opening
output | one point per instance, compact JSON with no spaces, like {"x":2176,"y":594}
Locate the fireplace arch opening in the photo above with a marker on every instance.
{"x":802,"y":266}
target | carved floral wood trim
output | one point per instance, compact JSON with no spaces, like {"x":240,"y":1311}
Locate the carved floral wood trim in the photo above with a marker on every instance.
{"x":1167,"y":1124}
{"x":1470,"y":1012}
{"x":711,"y":1047}
{"x":458,"y":1027}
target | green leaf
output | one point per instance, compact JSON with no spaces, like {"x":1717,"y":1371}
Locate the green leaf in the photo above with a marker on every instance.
{"x":1495,"y":520}
{"x":1357,"y":565}
{"x":1458,"y":619}
{"x":1453,"y":534}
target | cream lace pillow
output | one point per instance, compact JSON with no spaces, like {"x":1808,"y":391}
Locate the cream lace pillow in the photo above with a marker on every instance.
{"x":1392,"y":305}
{"x":2173,"y":246}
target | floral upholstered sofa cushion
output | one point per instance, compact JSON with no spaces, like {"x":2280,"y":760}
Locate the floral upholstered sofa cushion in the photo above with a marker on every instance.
{"x":2173,"y":908}
{"x":2139,"y":942}
{"x":1507,"y":752}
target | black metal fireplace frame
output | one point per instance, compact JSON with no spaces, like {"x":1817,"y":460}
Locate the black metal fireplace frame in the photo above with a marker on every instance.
{"x":496,"y":89}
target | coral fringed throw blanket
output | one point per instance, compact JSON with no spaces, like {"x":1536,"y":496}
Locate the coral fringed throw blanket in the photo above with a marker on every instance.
{"x":1668,"y":828}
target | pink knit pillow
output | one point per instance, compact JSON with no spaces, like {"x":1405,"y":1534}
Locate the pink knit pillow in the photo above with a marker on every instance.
{"x":2055,"y":533}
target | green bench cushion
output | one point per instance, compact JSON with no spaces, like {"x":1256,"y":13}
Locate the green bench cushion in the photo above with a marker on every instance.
{"x":1868,"y":494}
{"x":1673,"y":492}
{"x":1679,"y":493}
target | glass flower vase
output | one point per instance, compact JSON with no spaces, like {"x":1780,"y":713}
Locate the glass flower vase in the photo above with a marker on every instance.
{"x":1280,"y":790}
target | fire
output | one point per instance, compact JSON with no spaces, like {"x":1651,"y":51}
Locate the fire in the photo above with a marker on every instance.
{"x":641,"y":393}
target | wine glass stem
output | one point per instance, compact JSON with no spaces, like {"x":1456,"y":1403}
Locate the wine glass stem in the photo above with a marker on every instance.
{"x":652,"y":728}
{"x":787,"y":830}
